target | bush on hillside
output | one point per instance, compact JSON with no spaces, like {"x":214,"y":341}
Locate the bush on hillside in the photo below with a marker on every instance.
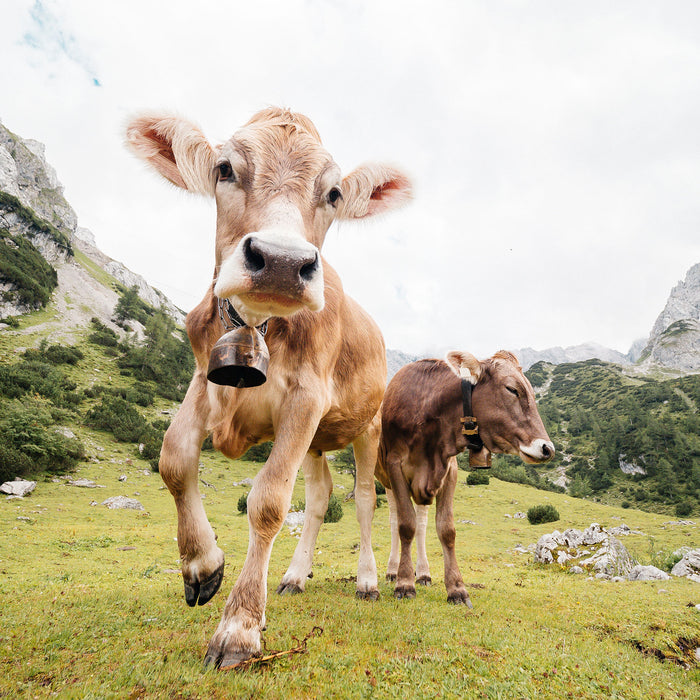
{"x":334,"y":512}
{"x":243,"y":503}
{"x":542,"y":514}
{"x":102,"y":335}
{"x":54,"y":354}
{"x":477,"y":478}
{"x":119,"y":417}
{"x":257,"y":453}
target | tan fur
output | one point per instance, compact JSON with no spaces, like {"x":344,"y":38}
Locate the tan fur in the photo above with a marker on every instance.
{"x":327,"y":370}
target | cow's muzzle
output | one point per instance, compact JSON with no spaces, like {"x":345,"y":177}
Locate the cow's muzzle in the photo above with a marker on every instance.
{"x":539,"y":450}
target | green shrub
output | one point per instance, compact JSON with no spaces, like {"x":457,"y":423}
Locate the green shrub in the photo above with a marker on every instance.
{"x":542,"y":514}
{"x":379,"y":488}
{"x":626,"y":504}
{"x":257,"y":453}
{"x":102,"y":335}
{"x":243,"y":503}
{"x":477,"y":478}
{"x":54,"y":354}
{"x":31,"y":443}
{"x":119,"y":417}
{"x":335,"y":510}
{"x":683,"y":509}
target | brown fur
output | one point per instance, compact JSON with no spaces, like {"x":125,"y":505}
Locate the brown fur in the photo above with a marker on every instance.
{"x":422,"y":434}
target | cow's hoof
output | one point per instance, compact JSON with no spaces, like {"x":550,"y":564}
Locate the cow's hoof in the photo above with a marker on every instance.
{"x":367,"y":595}
{"x":460,"y":597}
{"x":424,"y":580}
{"x":215,"y":659}
{"x":201,"y":592}
{"x":404,"y":592}
{"x":391,"y":577}
{"x":289,"y":589}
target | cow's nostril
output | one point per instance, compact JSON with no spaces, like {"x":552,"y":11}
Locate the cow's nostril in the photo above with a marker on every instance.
{"x":254,"y":260}
{"x":547,"y":451}
{"x":307,"y":271}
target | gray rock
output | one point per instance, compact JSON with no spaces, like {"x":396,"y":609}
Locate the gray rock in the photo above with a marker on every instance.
{"x":245,"y":482}
{"x":84,"y":484}
{"x":689,"y":566}
{"x":122,"y":478}
{"x":122,"y":502}
{"x":647,"y":573}
{"x":19,"y":488}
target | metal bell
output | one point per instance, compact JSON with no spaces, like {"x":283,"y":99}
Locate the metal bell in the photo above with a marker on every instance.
{"x":239,"y":358}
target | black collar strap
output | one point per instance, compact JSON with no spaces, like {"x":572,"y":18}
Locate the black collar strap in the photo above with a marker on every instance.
{"x":469,"y":424}
{"x":230,"y":318}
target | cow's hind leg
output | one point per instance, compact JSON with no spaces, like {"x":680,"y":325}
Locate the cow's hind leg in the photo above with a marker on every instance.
{"x":318,"y":487}
{"x":392,"y":567}
{"x":202,"y":560}
{"x":422,"y":566}
{"x":444,"y":522}
{"x":365,"y":448}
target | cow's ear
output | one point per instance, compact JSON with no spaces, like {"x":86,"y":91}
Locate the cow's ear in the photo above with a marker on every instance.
{"x":465,"y":365}
{"x":508,"y":356}
{"x":372,"y":189}
{"x":175,"y":148}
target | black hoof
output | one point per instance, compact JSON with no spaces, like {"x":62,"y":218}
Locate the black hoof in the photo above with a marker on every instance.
{"x":223,"y":660}
{"x":367,"y":595}
{"x":404,"y":592}
{"x":197,"y":593}
{"x":391,"y":577}
{"x":460,"y":598}
{"x":424,"y":581}
{"x":289,"y":589}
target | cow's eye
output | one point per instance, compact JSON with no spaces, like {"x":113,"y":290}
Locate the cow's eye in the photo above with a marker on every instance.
{"x":334,"y":196}
{"x":513,"y":390}
{"x":225,"y":172}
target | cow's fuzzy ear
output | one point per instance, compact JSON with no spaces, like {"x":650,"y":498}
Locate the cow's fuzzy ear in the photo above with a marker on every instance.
{"x":175,"y":148}
{"x":465,"y":365}
{"x":373,"y":189}
{"x":508,"y":356}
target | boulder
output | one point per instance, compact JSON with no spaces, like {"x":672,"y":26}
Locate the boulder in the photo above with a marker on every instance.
{"x":647,"y":573}
{"x":18,"y":488}
{"x":122,"y":502}
{"x":689,"y":566}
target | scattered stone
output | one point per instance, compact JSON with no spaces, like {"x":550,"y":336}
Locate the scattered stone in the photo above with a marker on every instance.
{"x":246,"y":482}
{"x":122,"y":478}
{"x":126,"y":549}
{"x":85,"y":484}
{"x":576,"y":570}
{"x":24,"y":519}
{"x":122,"y":502}
{"x":689,"y":566}
{"x":520,"y":515}
{"x":19,"y":488}
{"x":647,"y":573}
{"x":680,"y":522}
{"x":66,"y":432}
{"x":146,"y":472}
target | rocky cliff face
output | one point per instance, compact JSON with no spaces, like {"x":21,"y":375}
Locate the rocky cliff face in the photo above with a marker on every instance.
{"x":675,"y":338}
{"x":573,"y":353}
{"x":34,"y":209}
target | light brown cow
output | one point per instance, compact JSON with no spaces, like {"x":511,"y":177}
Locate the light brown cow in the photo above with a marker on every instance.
{"x":277,"y":191}
{"x":422,"y":432}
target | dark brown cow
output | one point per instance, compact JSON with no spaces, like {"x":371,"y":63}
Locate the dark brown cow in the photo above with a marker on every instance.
{"x":277,"y":191}
{"x":421,"y":436}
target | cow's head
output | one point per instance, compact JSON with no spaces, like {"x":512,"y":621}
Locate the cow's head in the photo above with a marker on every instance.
{"x":277,"y":191}
{"x":503,"y":403}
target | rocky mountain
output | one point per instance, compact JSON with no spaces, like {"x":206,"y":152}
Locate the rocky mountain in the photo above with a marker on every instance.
{"x":674,"y":340}
{"x":573,"y":353}
{"x":44,"y":254}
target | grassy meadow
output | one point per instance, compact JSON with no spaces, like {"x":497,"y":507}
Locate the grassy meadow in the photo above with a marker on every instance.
{"x":93,"y":606}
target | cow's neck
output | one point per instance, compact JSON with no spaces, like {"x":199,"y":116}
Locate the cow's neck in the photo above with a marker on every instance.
{"x":479,"y":456}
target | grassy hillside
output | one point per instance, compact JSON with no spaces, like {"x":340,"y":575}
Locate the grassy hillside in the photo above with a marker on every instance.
{"x":93,"y":606}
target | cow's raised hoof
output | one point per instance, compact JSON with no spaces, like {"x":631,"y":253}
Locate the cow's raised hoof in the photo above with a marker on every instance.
{"x":404,"y":592}
{"x":199,"y":593}
{"x":391,"y":577}
{"x":289,"y":589}
{"x":424,"y":580}
{"x":215,"y":659}
{"x":460,"y":597}
{"x":367,"y":595}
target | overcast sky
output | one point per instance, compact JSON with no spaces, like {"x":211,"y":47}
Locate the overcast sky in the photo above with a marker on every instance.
{"x":554,"y":147}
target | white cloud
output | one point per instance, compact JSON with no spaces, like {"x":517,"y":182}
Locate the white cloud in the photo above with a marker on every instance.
{"x":554,"y":147}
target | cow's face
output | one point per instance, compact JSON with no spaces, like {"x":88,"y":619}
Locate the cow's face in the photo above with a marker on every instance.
{"x":503,"y":403}
{"x":277,"y":191}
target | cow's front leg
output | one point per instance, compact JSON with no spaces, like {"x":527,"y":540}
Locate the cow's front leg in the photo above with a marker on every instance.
{"x":365,"y":448}
{"x":238,"y":635}
{"x":202,"y":561}
{"x":318,"y":486}
{"x":406,"y":516}
{"x":422,"y":566}
{"x":444,"y":522}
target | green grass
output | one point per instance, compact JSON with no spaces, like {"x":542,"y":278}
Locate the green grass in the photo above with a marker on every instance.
{"x":92,"y":607}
